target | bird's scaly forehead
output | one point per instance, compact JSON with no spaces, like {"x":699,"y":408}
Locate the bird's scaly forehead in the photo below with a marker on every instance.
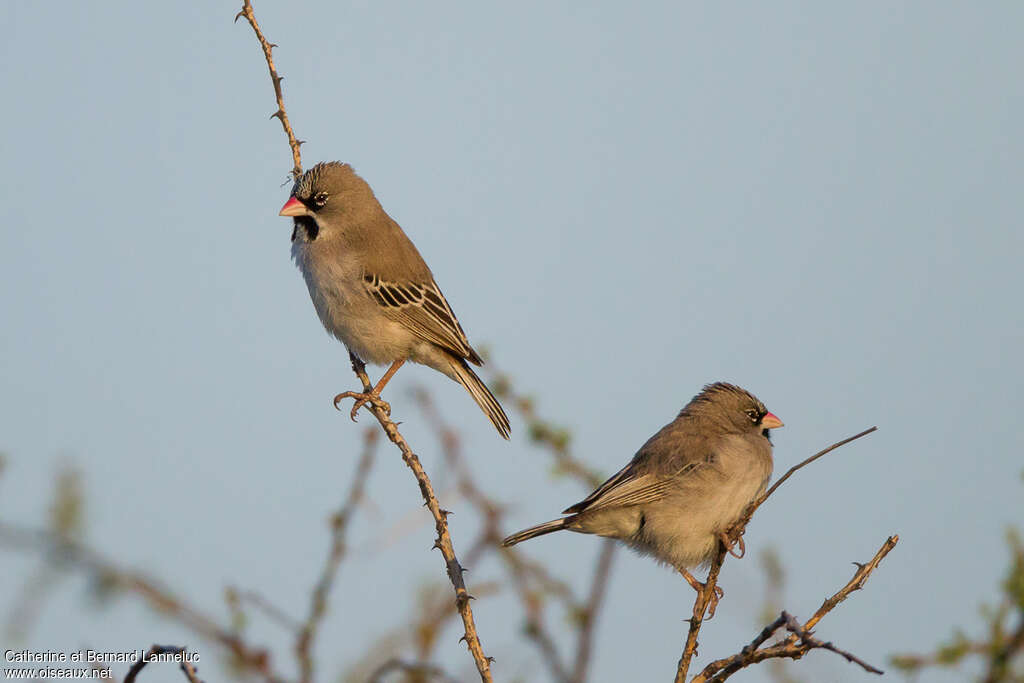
{"x":313,"y":179}
{"x":724,"y":393}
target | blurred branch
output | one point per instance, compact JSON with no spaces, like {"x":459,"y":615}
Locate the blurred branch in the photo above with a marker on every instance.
{"x":443,"y":542}
{"x":543,"y":432}
{"x":109,"y":576}
{"x":588,"y":614}
{"x":520,"y":569}
{"x":157,"y":651}
{"x":1005,"y":642}
{"x":416,"y":671}
{"x":775,"y":583}
{"x":801,"y":641}
{"x":339,"y":525}
{"x":735,"y":533}
{"x":280,"y":114}
{"x":235,"y":598}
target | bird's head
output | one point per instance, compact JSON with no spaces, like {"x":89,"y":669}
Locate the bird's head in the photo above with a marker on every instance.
{"x":734,"y":407}
{"x":327,"y":198}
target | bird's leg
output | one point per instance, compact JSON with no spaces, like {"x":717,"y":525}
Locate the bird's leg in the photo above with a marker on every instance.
{"x":728,"y":543}
{"x":713,"y":599}
{"x":372,"y":396}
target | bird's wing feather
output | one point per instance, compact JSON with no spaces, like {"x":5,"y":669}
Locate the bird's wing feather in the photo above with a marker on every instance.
{"x":648,"y":478}
{"x":422,"y":308}
{"x":626,"y":488}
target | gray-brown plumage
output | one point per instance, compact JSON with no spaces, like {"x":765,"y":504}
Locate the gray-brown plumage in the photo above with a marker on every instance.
{"x":684,"y":487}
{"x":372,"y":289}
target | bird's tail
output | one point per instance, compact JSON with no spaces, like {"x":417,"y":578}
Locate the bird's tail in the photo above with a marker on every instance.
{"x":465,"y":376}
{"x":539,"y":530}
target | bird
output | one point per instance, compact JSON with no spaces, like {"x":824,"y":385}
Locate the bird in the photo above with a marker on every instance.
{"x":685,"y":487}
{"x":371,"y":288}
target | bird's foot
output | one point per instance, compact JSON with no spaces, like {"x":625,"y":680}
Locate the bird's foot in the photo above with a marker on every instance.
{"x":362,"y":398}
{"x":716,"y":595}
{"x":702,"y":588}
{"x":729,"y":543}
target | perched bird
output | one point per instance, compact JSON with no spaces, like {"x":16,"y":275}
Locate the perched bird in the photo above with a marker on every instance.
{"x":686,"y":486}
{"x":371,"y":288}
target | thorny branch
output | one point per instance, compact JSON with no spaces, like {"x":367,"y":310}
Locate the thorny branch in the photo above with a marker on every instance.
{"x":443,"y":542}
{"x":801,"y":641}
{"x":736,"y":533}
{"x":280,"y":114}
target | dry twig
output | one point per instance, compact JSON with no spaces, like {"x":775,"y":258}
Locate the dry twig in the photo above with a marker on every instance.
{"x":801,"y":641}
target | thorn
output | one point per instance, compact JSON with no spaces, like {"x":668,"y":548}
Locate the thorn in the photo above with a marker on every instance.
{"x":239,"y":16}
{"x":272,"y":45}
{"x":276,"y":114}
{"x":437,"y":544}
{"x":860,"y":565}
{"x":463,"y":639}
{"x":300,"y":143}
{"x":490,"y":660}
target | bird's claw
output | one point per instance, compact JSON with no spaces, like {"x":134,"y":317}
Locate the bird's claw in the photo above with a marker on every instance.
{"x":729,"y":544}
{"x":712,"y":601}
{"x":361,"y":400}
{"x":716,"y":595}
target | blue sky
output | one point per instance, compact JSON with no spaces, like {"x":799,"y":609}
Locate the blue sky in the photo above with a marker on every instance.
{"x":819,"y":203}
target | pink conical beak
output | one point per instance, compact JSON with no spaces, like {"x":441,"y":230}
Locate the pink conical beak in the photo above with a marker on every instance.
{"x":769,"y":421}
{"x":293,"y":207}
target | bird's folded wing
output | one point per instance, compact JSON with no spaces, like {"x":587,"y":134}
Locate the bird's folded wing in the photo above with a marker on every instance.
{"x":623,"y":489}
{"x":422,"y":308}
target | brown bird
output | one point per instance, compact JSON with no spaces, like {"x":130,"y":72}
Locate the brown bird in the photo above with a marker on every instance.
{"x":685,"y":487}
{"x":372,"y":289}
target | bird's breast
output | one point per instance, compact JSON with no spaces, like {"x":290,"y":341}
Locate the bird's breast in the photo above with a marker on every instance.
{"x":345,"y":308}
{"x":333,"y":283}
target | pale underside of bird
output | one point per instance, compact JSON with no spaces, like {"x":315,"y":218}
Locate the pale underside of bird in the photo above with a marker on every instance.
{"x":371,"y":288}
{"x":685,"y":487}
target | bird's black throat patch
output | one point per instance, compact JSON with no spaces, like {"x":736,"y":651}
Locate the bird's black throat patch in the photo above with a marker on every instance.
{"x":308,"y":227}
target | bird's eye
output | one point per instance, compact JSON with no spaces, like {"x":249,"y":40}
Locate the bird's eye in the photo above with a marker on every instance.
{"x":320,"y":199}
{"x":754,"y":415}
